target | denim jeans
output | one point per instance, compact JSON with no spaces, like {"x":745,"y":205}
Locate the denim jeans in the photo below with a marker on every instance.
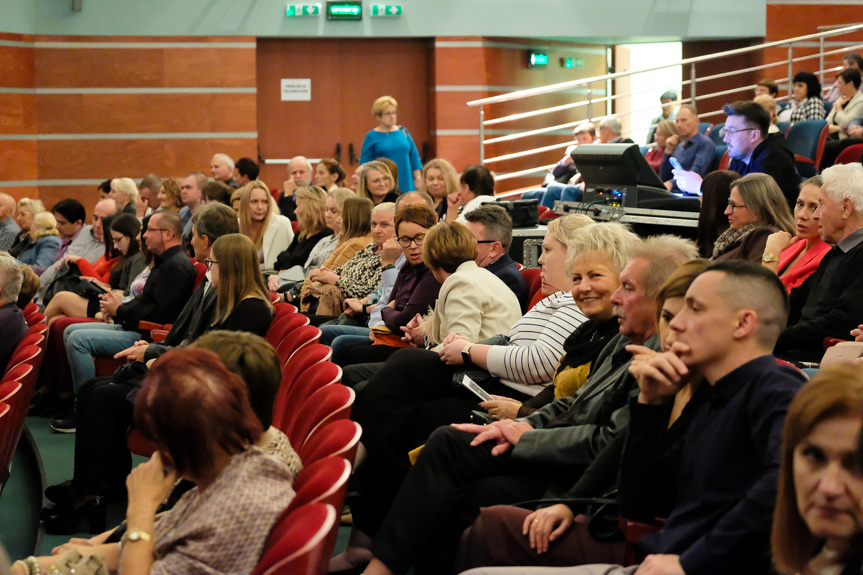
{"x":83,"y":341}
{"x":330,"y":332}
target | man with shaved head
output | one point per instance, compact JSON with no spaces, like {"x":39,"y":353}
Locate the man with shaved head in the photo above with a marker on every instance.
{"x":222,"y":170}
{"x":9,"y":230}
{"x":300,"y":172}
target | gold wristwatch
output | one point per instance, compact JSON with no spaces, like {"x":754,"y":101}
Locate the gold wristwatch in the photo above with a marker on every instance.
{"x":769,"y":258}
{"x":133,"y":535}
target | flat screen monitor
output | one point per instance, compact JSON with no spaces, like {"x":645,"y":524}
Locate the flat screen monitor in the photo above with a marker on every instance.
{"x":610,"y":165}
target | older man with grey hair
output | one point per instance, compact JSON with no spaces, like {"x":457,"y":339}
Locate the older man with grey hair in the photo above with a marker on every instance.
{"x":11,"y":316}
{"x":222,"y":170}
{"x":9,"y":230}
{"x":830,"y":302}
{"x":610,"y":132}
{"x":300,"y":172}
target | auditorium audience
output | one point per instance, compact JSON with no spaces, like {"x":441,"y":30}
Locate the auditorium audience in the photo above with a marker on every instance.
{"x":476,"y":187}
{"x":389,"y":140}
{"x":666,"y":100}
{"x":756,"y":209}
{"x":664,"y":130}
{"x":712,"y":221}
{"x":766,"y":87}
{"x":192,"y":195}
{"x":166,"y":291}
{"x":311,"y":217}
{"x":492,"y":228}
{"x":851,"y":60}
{"x":246,"y":170}
{"x":170,"y":195}
{"x":610,"y":132}
{"x":11,"y":316}
{"x":805,"y":102}
{"x":118,"y":266}
{"x":300,"y":172}
{"x":261,"y":222}
{"x":198,"y":415}
{"x":828,"y":303}
{"x":550,"y":535}
{"x":519,"y":461}
{"x":9,"y":230}
{"x":377,"y":183}
{"x":70,"y":216}
{"x":104,"y":189}
{"x":357,"y":277}
{"x":148,"y":192}
{"x":27,"y":210}
{"x":816,"y":525}
{"x":439,"y":181}
{"x":563,"y":182}
{"x":329,"y":174}
{"x":124,"y":191}
{"x":795,"y":258}
{"x":752,"y":151}
{"x":718,"y":489}
{"x":692,"y":149}
{"x":849,"y":106}
{"x":769,"y":105}
{"x":216,"y":191}
{"x":222,"y":170}
{"x":44,"y":243}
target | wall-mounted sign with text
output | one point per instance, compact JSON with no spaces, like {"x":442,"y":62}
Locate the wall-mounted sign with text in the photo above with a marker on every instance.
{"x":296,"y":89}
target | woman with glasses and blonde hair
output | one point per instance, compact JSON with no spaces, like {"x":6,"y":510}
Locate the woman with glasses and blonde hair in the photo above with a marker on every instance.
{"x":377,"y":183}
{"x":389,"y":140}
{"x":27,"y":210}
{"x":756,"y":208}
{"x":261,"y":221}
{"x":818,"y":519}
{"x":242,"y":299}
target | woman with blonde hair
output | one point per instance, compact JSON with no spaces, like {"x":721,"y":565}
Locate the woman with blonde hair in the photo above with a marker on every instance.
{"x":27,"y":210}
{"x":124,"y":191}
{"x":44,"y":242}
{"x":389,"y":140}
{"x":439,"y":181}
{"x":242,"y":300}
{"x":756,"y":209}
{"x":818,"y":519}
{"x":261,"y":221}
{"x":664,"y":130}
{"x":311,"y":217}
{"x":170,"y":198}
{"x":377,"y":183}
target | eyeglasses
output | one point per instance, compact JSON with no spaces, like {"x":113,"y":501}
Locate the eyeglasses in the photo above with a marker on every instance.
{"x":418,"y":239}
{"x":209,"y":263}
{"x":486,"y":241}
{"x":729,"y":132}
{"x":160,"y":230}
{"x":733,"y":206}
{"x":388,"y":113}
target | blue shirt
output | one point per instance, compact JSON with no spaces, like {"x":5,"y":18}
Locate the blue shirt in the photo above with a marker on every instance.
{"x":695,"y":155}
{"x":397,"y":146}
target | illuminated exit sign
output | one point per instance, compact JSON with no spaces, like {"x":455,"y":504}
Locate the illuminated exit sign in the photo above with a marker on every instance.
{"x":297,"y":10}
{"x":344,"y":10}
{"x":537,"y":59}
{"x":381,"y":10}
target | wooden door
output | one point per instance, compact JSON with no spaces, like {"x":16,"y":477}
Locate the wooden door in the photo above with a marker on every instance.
{"x":347,"y":75}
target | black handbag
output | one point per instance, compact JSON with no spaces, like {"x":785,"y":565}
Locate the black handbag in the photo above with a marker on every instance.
{"x":524,"y":213}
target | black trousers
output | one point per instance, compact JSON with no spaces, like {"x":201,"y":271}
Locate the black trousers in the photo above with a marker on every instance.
{"x":442,"y":496}
{"x":102,"y":460}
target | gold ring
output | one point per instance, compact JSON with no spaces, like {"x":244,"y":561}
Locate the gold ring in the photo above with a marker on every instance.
{"x":536,"y":520}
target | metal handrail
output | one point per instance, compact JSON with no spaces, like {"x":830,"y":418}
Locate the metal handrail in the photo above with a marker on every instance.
{"x":687,"y":61}
{"x":606,"y":101}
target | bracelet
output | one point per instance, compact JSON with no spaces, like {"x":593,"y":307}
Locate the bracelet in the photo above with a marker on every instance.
{"x":31,"y":565}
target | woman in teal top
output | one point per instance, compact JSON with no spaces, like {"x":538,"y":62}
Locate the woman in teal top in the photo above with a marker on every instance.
{"x":389,"y":140}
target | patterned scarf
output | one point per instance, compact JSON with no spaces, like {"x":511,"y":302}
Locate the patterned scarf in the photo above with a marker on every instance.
{"x":731,"y":237}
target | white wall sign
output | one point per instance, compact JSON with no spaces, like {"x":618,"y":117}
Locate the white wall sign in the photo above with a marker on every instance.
{"x":296,"y":89}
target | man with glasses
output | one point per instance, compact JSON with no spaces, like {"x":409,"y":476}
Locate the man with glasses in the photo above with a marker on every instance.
{"x":166,"y":292}
{"x":492,"y":227}
{"x":752,"y":151}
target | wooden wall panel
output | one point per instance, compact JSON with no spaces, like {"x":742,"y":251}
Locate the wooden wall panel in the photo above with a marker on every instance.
{"x":694,"y":49}
{"x":17,"y":114}
{"x":19,"y":192}
{"x":89,"y":159}
{"x":18,"y":160}
{"x":144,"y":67}
{"x":134,"y":113}
{"x":87,"y":195}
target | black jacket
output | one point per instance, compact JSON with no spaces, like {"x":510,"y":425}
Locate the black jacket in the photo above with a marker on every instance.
{"x":774,"y":158}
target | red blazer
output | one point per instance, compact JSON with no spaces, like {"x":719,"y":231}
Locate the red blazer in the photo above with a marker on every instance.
{"x":804,"y":267}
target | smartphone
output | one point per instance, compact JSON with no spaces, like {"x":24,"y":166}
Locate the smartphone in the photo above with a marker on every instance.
{"x":675,"y":163}
{"x":476,"y":389}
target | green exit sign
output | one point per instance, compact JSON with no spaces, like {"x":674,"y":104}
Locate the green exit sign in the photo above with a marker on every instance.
{"x":380,"y":10}
{"x":537,"y":59}
{"x":296,"y":10}
{"x":344,"y":10}
{"x":572,"y":63}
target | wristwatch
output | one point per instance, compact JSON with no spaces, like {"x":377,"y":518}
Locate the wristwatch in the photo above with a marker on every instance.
{"x":389,"y":267}
{"x":769,"y":258}
{"x":133,"y":535}
{"x":465,"y":354}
